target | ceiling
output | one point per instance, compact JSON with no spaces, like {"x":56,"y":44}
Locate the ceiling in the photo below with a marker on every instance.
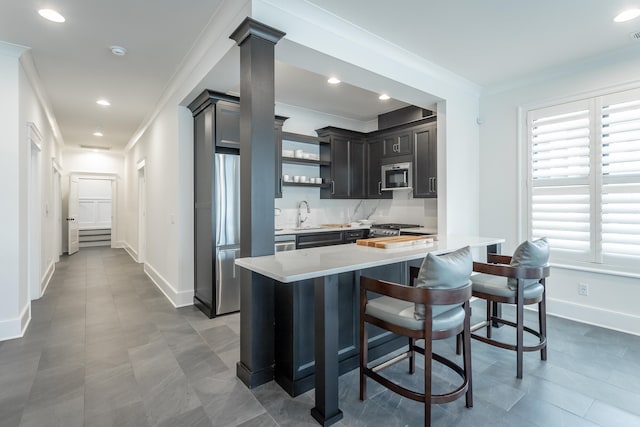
{"x":488,"y":43}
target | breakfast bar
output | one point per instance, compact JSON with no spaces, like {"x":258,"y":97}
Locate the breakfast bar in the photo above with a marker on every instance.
{"x":324,"y":265}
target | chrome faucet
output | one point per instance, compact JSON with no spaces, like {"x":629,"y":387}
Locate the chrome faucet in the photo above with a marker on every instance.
{"x":300,"y":220}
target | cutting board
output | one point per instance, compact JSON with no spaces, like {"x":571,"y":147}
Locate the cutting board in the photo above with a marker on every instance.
{"x":395,"y":241}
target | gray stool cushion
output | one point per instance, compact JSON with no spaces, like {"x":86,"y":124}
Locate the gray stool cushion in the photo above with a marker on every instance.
{"x":499,"y":286}
{"x":447,"y":271}
{"x":529,"y":254}
{"x":401,"y":313}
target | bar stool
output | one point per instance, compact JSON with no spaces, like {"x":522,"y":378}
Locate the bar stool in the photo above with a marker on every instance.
{"x":437,"y":308}
{"x":518,"y":280}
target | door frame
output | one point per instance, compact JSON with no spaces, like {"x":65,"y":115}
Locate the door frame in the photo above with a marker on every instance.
{"x":114,"y":196}
{"x":57,"y":209}
{"x":34,"y":213}
{"x":142,"y":212}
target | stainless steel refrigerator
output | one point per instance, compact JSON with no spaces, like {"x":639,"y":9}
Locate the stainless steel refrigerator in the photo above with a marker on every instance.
{"x":227,"y":232}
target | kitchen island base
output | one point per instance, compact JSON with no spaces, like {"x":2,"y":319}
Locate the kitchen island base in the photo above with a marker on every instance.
{"x":294,"y":327}
{"x":324,"y":265}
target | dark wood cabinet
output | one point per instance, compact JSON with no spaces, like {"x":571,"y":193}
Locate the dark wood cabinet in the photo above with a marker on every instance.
{"x":216,"y":121}
{"x":425,"y":161}
{"x":346,"y":174}
{"x":227,"y":123}
{"x":375,"y":151}
{"x":357,"y":180}
{"x":350,"y":236}
{"x":294,"y":327}
{"x":397,"y":144}
{"x":327,"y":238}
{"x":278,"y":140}
{"x":216,"y":128}
{"x":314,"y":240}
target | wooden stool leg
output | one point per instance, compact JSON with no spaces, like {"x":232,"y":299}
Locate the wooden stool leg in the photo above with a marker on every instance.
{"x":519,"y":338}
{"x":428,"y":354}
{"x":489,"y":316}
{"x":542,"y":319}
{"x":363,"y":360}
{"x":465,"y":339}
{"x":412,"y":356}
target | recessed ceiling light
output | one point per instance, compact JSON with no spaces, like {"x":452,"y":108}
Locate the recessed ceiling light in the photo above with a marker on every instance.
{"x":51,"y":15}
{"x":98,"y":133}
{"x":118,"y":50}
{"x":627,"y":15}
{"x":333,"y":80}
{"x":384,"y":97}
{"x":103,"y":102}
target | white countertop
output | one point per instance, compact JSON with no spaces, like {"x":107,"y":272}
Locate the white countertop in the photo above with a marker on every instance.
{"x":316,"y":229}
{"x":301,"y":264}
{"x":420,"y":230}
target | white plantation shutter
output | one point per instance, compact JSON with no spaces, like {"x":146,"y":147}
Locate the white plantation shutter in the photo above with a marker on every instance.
{"x":561,"y":214}
{"x":620,"y":139}
{"x":560,"y":207}
{"x":584,"y":177}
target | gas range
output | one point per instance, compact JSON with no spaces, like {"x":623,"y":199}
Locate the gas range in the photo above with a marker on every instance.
{"x":391,"y":229}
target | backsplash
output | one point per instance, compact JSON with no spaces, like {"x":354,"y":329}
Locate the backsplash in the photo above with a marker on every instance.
{"x":401,"y":209}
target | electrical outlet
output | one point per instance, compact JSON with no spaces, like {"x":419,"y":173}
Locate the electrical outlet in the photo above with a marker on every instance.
{"x":583,"y":289}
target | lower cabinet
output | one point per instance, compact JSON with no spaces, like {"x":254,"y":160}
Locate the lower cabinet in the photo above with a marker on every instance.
{"x":294,"y":327}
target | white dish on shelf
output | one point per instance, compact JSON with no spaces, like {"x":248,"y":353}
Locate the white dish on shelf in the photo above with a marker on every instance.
{"x":365,"y":221}
{"x":287,"y":153}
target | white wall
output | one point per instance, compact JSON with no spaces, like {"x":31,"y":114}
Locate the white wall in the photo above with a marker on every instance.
{"x":13,"y":286}
{"x":43,"y":234}
{"x":26,"y":239}
{"x":611,"y":302}
{"x":159,"y":149}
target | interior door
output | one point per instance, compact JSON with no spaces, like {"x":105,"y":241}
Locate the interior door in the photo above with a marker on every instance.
{"x":72,"y":217}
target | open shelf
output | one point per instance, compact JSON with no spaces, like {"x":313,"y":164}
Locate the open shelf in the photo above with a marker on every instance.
{"x":296,"y":137}
{"x":304,"y":184}
{"x":301,"y":161}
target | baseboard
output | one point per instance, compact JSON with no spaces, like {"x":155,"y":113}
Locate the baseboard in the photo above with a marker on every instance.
{"x":44,"y":284}
{"x":15,"y":328}
{"x":132,"y":253}
{"x":177,"y":298}
{"x":594,"y":316}
{"x":118,"y":244}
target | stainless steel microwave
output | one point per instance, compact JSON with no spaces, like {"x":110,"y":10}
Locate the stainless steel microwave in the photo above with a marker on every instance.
{"x":396,"y":176}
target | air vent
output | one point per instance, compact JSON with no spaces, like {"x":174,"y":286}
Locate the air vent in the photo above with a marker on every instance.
{"x":95,"y":147}
{"x":635,"y":35}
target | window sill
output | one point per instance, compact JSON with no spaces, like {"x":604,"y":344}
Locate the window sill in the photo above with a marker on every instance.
{"x":600,"y":270}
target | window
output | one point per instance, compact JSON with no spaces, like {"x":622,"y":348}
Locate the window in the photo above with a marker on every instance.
{"x":584,"y":176}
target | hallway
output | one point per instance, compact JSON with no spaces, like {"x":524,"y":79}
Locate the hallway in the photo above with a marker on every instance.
{"x":106,"y":348}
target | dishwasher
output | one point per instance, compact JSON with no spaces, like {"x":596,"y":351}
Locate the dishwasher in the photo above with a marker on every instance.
{"x":286,"y":242}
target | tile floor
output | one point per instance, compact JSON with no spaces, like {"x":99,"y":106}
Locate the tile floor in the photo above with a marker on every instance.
{"x":106,"y":348}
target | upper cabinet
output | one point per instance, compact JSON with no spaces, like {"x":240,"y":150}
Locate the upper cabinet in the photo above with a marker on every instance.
{"x":397,"y":144}
{"x":375,"y":152}
{"x":221,"y":113}
{"x":425,"y":161}
{"x":227,"y":124}
{"x":346,"y":174}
